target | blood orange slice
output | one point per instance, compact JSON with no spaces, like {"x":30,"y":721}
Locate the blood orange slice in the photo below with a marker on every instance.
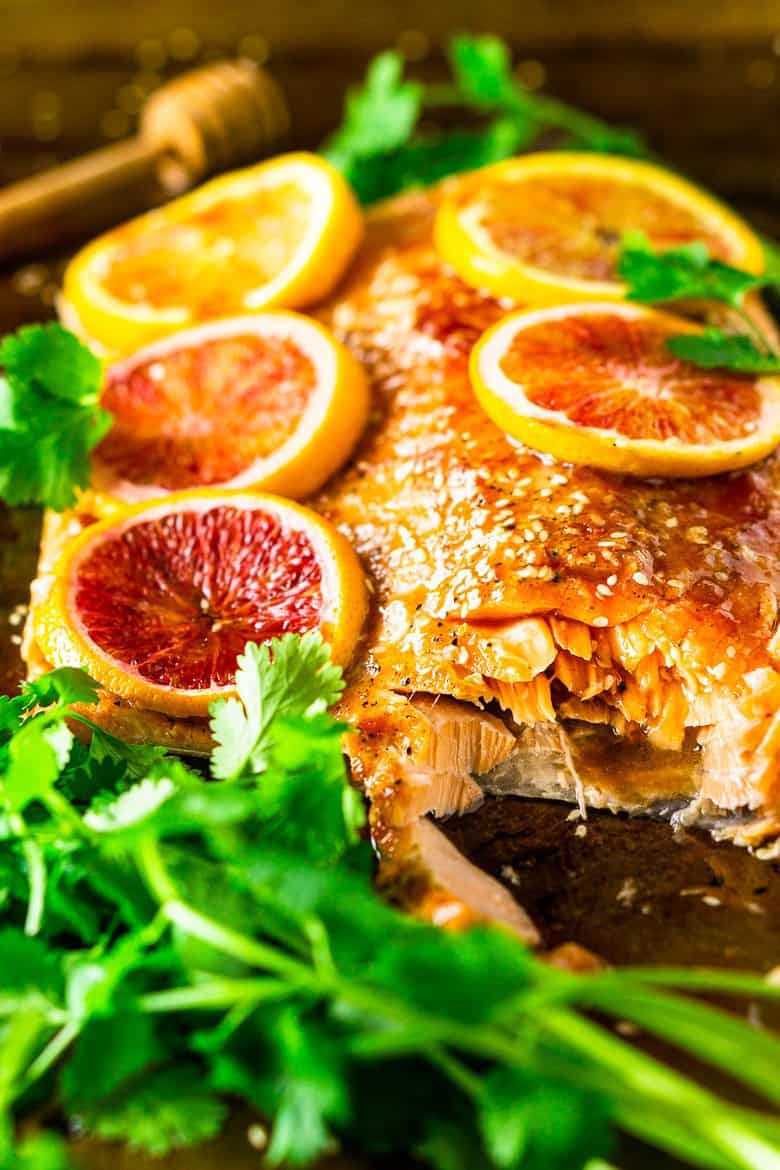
{"x":272,"y":402}
{"x":158,"y":602}
{"x":596,"y":384}
{"x":280,"y":233}
{"x":547,"y":228}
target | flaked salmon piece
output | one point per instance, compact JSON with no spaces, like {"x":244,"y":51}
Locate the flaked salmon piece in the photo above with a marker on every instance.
{"x":427,"y":873}
{"x":559,"y":601}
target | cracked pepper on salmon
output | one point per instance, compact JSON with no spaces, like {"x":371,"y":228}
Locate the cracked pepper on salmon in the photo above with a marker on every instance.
{"x":535,"y":627}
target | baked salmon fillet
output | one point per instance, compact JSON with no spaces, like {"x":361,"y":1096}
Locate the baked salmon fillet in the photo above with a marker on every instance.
{"x":536,"y":628}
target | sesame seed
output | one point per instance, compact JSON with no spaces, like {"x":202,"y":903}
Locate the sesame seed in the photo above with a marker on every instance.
{"x":603,"y":590}
{"x":641,"y":578}
{"x":613,"y":579}
{"x":731,"y":652}
{"x":600,"y":622}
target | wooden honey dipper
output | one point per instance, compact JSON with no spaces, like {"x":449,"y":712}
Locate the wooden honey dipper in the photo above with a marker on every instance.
{"x":209,"y":119}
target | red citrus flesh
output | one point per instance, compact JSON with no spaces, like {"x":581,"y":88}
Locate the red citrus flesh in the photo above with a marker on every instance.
{"x":176,"y":598}
{"x":573,"y":224}
{"x":213,"y":259}
{"x":201,"y":414}
{"x":616,"y":373}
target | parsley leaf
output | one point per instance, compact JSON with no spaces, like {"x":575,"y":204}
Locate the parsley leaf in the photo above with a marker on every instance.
{"x":731,"y":351}
{"x":288,"y":676}
{"x":50,"y":416}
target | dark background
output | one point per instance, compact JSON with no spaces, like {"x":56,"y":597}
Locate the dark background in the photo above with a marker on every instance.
{"x":700,"y":77}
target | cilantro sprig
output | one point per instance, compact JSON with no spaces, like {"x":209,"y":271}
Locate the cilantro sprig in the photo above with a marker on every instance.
{"x":169,"y":943}
{"x":50,"y":415}
{"x":385,"y":145}
{"x":688,"y":273}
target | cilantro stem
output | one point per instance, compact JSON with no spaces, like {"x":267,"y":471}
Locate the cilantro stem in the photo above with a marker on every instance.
{"x":758,"y":334}
{"x":650,"y":1078}
{"x":693,"y":979}
{"x":701,"y":1030}
{"x":647,"y":1078}
{"x":216,"y":993}
{"x":51,"y":1053}
{"x":457,"y":1072}
{"x":36,"y":874}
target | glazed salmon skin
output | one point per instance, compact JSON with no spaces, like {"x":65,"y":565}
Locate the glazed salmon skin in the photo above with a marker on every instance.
{"x":536,"y":628}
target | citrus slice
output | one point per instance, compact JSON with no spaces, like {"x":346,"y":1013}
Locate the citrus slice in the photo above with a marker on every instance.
{"x":596,"y":384}
{"x":280,"y":233}
{"x":158,"y":602}
{"x":271,"y":402}
{"x":547,"y":228}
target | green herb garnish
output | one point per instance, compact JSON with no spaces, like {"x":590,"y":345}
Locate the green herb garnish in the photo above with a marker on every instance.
{"x":688,"y":273}
{"x":50,"y":416}
{"x":383,"y":145}
{"x":169,"y":943}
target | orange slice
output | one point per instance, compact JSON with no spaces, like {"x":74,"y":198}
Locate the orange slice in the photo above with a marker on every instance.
{"x":547,"y":228}
{"x":281,"y":233}
{"x":158,"y":601}
{"x":596,"y":384}
{"x":271,"y":402}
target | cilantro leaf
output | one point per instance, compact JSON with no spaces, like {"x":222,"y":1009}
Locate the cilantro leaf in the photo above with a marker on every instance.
{"x":55,"y":360}
{"x":379,"y":116}
{"x":40,"y":1151}
{"x":290,"y":676}
{"x":482,"y":67}
{"x":166,"y":1110}
{"x":28,"y":964}
{"x":540,"y":1124}
{"x":444,"y":973}
{"x":310,"y":1075}
{"x":382,"y":148}
{"x":305,"y":799}
{"x":680,"y":273}
{"x":108,"y":1052}
{"x":132,"y":807}
{"x":771,"y":272}
{"x":450,"y":1144}
{"x":732,"y":351}
{"x":36,"y":755}
{"x":50,"y":416}
{"x":63,"y":686}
